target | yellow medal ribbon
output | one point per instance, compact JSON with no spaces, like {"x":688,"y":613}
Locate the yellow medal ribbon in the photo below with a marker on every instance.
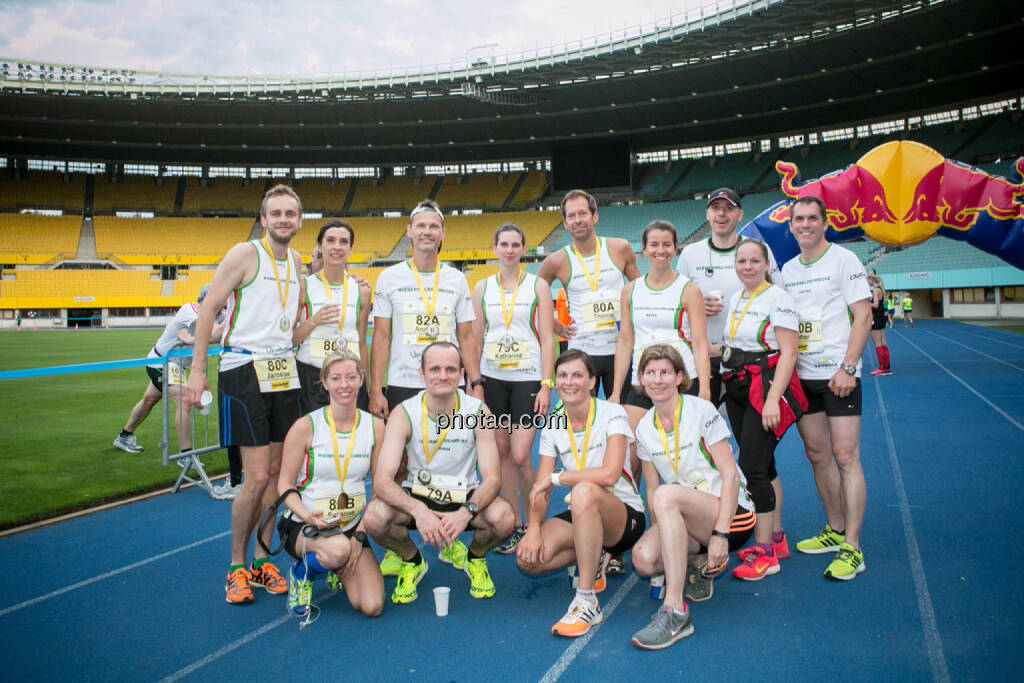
{"x":734,"y":324}
{"x":591,"y":410}
{"x":429,"y":453}
{"x":507,"y":314}
{"x":344,"y":296}
{"x":342,"y":472}
{"x":277,"y":275}
{"x":432,"y":304}
{"x":592,"y":281}
{"x":675,"y":435}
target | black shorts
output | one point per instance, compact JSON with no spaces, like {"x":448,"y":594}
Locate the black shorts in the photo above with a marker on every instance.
{"x":290,"y":531}
{"x":717,"y":389}
{"x":740,"y":531}
{"x":604,"y":370}
{"x":820,"y":397}
{"x":312,"y":395}
{"x":248,"y":417}
{"x":396,"y":395}
{"x":635,"y":525}
{"x":878,"y":319}
{"x":156,"y":377}
{"x":635,"y":398}
{"x":435,"y":506}
{"x":515,"y":399}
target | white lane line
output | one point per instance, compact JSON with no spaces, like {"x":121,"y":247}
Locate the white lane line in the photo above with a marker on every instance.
{"x":974,"y":333}
{"x":992,"y":405}
{"x":107,"y":575}
{"x":230,"y":647}
{"x":971,"y":348}
{"x":559,"y":667}
{"x":933,"y":640}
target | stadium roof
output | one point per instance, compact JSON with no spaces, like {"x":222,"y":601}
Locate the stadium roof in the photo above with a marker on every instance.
{"x":763,"y":68}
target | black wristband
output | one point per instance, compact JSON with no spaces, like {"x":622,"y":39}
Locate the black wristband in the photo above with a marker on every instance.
{"x":720,"y":534}
{"x":477,"y":383}
{"x":361,"y":537}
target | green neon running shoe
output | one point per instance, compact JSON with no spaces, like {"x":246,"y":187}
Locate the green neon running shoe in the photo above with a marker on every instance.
{"x":300,"y":595}
{"x":826,"y":541}
{"x":334,"y":582}
{"x":391,"y":563}
{"x":480,"y":584}
{"x":409,"y":576}
{"x":848,"y":563}
{"x":454,"y":554}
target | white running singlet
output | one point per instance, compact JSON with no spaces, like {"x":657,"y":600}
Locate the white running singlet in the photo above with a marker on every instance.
{"x":595,"y":312}
{"x":323,"y":340}
{"x":452,"y":468}
{"x":658,"y":317}
{"x":511,"y":354}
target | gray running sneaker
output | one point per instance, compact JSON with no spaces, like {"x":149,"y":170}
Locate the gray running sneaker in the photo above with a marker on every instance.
{"x":128,"y":444}
{"x":225,"y":491}
{"x":666,"y":627}
{"x":698,"y":587}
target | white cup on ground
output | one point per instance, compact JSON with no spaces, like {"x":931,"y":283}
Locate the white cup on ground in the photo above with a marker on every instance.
{"x":206,"y":399}
{"x":441,"y":594}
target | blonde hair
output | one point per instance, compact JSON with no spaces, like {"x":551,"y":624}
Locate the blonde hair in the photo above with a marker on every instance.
{"x":337,"y":357}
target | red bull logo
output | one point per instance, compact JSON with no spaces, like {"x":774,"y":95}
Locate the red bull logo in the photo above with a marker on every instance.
{"x":953,"y":194}
{"x":853,"y":196}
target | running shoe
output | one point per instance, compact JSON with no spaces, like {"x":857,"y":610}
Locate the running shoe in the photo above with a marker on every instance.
{"x":225,"y":491}
{"x":454,"y":554}
{"x":887,"y":371}
{"x":480,"y":583}
{"x":848,"y":563}
{"x":509,"y":545}
{"x":756,"y":565}
{"x":300,"y":595}
{"x":269,"y":577}
{"x":236,"y":588}
{"x":600,"y":582}
{"x":877,"y":371}
{"x":334,"y":582}
{"x":391,"y":563}
{"x":128,"y":444}
{"x":409,"y":576}
{"x":698,"y":588}
{"x":781,"y":550}
{"x":616,"y":565}
{"x":666,"y":627}
{"x":578,"y":620}
{"x":825,"y":541}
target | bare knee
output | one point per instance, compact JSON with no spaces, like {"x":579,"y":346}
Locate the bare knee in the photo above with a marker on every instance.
{"x":848,"y":459}
{"x":645,"y":559}
{"x":532,"y":570}
{"x":665,"y":498}
{"x":584,"y":496}
{"x":499,"y":516}
{"x":376,"y":517}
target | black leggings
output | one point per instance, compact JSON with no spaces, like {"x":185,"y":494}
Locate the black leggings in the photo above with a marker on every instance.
{"x":757,"y":446}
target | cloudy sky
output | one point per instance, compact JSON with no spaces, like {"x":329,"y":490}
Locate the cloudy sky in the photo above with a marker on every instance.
{"x":253,"y":36}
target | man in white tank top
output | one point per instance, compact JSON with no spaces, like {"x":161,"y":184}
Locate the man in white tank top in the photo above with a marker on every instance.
{"x":447,"y":437}
{"x":258,"y":396}
{"x":592,"y":285}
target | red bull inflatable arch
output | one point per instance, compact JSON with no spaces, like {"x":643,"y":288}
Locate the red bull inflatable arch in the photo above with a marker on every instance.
{"x":902,"y":193}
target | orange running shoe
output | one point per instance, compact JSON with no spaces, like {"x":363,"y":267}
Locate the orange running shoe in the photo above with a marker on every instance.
{"x":236,"y":588}
{"x":578,"y":620}
{"x":269,"y":577}
{"x":757,"y":565}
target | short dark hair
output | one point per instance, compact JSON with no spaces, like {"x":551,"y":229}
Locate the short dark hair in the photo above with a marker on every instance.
{"x":812,"y":199}
{"x":576,"y":194}
{"x":277,"y":191}
{"x":441,"y":344}
{"x":575,"y":354}
{"x":336,"y":223}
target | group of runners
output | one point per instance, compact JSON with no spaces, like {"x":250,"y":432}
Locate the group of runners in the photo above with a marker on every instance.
{"x":442,"y":413}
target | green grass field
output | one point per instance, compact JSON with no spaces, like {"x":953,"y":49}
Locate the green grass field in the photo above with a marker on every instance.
{"x":55,"y":445}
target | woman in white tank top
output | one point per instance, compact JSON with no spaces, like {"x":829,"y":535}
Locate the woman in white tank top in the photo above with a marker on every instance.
{"x":327,"y":457}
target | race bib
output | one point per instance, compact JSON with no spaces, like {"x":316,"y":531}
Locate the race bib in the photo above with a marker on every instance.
{"x":276,"y":374}
{"x":176,"y":374}
{"x":441,"y":489}
{"x":343,"y":508}
{"x":507,"y":354}
{"x":810,"y":330}
{"x":321,"y":347}
{"x":420,"y":328}
{"x":600,"y":313}
{"x":694,"y":481}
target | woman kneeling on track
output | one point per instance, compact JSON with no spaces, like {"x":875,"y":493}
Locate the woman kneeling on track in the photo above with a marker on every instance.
{"x":590,"y":436}
{"x":703,"y":506}
{"x":327,"y":456}
{"x":763,"y":397}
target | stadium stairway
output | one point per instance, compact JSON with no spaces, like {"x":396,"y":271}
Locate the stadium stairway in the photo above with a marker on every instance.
{"x":257,"y":230}
{"x":401,"y":249}
{"x":551,"y":241}
{"x":515,"y":188}
{"x":86,"y":240}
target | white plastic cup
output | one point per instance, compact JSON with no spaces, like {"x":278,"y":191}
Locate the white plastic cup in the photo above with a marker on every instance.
{"x":206,"y":399}
{"x":717,"y":293}
{"x":441,"y":594}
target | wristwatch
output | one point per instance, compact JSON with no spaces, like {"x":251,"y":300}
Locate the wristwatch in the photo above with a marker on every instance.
{"x":477,"y":383}
{"x":472,"y":507}
{"x":850,"y":370}
{"x":360,"y":536}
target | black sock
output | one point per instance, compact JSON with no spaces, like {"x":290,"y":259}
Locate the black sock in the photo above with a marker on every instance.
{"x":415,"y":559}
{"x":125,"y":433}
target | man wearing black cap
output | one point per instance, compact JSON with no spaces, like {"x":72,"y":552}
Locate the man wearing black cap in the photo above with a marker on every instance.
{"x":710,"y":264}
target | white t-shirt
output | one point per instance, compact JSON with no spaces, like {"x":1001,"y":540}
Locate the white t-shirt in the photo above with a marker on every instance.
{"x":184,"y":319}
{"x":755,"y":331}
{"x":608,"y":418}
{"x":823,"y":291}
{"x":397,"y":296}
{"x":713,"y":269}
{"x":700,"y":427}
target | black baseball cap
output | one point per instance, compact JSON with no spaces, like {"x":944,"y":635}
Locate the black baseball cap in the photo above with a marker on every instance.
{"x":726,"y":193}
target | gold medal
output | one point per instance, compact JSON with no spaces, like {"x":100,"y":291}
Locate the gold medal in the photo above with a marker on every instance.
{"x":424,"y":476}
{"x":433,"y":330}
{"x":284,"y":323}
{"x":343,"y":501}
